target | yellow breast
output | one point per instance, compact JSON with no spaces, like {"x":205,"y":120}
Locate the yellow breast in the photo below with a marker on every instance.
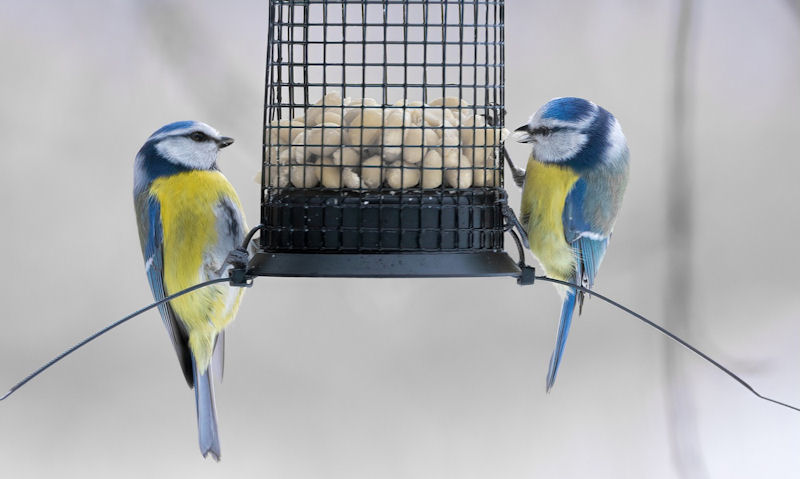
{"x":546,"y":189}
{"x":188,"y":201}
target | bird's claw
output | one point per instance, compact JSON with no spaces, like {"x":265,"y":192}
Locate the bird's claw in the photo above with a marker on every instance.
{"x":519,"y":177}
{"x":239,"y":276}
{"x":515,"y":224}
{"x":238,"y":258}
{"x":517,"y":173}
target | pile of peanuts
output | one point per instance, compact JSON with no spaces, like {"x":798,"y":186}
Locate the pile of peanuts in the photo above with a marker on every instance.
{"x":360,"y":144}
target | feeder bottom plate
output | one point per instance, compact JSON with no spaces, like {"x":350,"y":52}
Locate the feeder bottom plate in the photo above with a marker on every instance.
{"x":384,"y":265}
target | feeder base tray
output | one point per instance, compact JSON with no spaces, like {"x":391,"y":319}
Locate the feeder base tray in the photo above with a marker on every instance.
{"x":383,"y":265}
{"x":334,"y":222}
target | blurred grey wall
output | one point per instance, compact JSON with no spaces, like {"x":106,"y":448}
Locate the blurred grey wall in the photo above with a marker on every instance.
{"x":396,"y":378}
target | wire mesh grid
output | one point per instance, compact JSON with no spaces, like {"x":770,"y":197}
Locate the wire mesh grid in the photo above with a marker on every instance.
{"x":383,"y":126}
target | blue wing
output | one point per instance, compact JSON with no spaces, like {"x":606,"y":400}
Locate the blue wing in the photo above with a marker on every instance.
{"x":586,"y":232}
{"x":148,"y":214}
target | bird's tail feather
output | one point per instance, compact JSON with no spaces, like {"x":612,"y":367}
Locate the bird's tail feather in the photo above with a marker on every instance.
{"x":206,"y":412}
{"x":567,"y":310}
{"x":218,"y":357}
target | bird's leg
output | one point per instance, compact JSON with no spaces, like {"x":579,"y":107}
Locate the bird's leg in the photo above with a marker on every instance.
{"x":514,"y":223}
{"x":517,"y":173}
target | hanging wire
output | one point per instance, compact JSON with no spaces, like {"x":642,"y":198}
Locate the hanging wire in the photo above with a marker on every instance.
{"x":527,"y":276}
{"x":238,"y":277}
{"x":525,"y":268}
{"x":669,"y":335}
{"x":107,"y":329}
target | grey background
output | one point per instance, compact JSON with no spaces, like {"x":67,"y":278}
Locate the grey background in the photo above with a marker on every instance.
{"x":396,"y":378}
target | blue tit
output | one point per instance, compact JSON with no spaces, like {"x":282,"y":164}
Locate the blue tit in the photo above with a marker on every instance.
{"x":190,"y":219}
{"x":574,"y":183}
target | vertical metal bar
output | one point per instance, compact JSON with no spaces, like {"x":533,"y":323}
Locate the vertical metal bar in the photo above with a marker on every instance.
{"x":502,"y":106}
{"x":267,"y":94}
{"x":475,"y":29}
{"x":291,"y":41}
{"x":305,"y":164}
{"x":425,"y":53}
{"x":385,"y":101}
{"x":363,"y":95}
{"x":443,"y":60}
{"x":469,"y":223}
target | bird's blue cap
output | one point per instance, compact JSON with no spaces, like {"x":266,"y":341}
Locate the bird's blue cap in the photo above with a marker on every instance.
{"x":568,"y":109}
{"x":178,"y":125}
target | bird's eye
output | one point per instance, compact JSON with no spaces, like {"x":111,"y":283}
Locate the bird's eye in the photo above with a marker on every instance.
{"x":198,"y":136}
{"x":545,"y":131}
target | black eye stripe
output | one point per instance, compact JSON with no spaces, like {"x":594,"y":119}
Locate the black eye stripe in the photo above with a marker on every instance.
{"x":544,"y":131}
{"x":198,"y":136}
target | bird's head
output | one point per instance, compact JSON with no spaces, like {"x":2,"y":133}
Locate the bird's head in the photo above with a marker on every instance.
{"x":573,"y":131}
{"x":188,"y":144}
{"x":177,"y":147}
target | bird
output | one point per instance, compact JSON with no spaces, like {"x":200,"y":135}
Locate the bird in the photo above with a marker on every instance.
{"x":573,"y":188}
{"x":190,"y":221}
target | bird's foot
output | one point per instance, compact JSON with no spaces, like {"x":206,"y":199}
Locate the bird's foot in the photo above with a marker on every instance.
{"x":238,"y":258}
{"x":518,"y":176}
{"x":517,"y":173}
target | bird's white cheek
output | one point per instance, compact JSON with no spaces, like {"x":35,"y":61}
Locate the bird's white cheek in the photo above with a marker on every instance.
{"x":559,"y":146}
{"x":188,"y":153}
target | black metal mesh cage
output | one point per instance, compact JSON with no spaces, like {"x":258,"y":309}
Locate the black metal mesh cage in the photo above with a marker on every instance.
{"x":383,"y":133}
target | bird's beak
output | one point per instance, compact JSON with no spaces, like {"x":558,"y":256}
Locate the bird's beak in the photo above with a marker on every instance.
{"x":523,"y":134}
{"x":225,"y":141}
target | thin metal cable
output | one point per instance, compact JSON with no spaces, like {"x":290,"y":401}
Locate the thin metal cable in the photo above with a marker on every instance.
{"x":540,"y":278}
{"x":245,"y":244}
{"x":107,"y":329}
{"x":669,"y":335}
